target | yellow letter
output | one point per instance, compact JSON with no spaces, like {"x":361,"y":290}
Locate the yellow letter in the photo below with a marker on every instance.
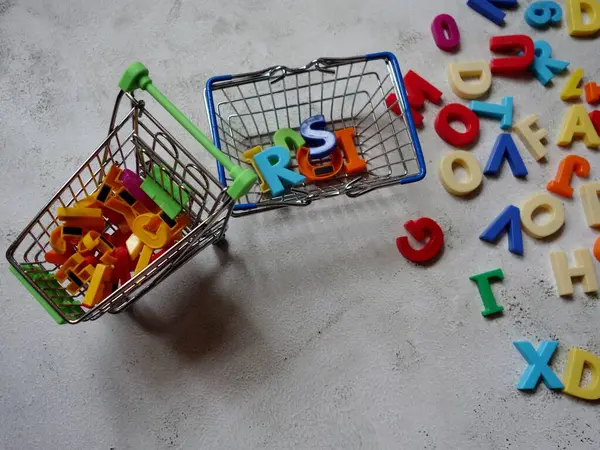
{"x":572,"y":91}
{"x":576,"y":362}
{"x":248,"y":157}
{"x":577,"y":123}
{"x":575,"y":18}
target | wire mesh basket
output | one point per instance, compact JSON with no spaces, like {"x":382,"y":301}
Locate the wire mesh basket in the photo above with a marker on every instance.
{"x":246,"y":110}
{"x":137,"y":141}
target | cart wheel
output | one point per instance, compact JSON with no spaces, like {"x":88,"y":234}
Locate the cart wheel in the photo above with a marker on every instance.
{"x":222,"y":243}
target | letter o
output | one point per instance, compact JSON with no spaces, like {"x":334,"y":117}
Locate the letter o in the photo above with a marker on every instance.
{"x":468,"y":162}
{"x":552,"y":206}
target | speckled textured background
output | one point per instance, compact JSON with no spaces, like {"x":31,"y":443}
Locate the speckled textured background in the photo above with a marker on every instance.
{"x":313,"y":332}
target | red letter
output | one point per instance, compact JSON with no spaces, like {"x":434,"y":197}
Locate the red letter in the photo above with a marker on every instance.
{"x":420,"y":229}
{"x":456,"y":111}
{"x":514,"y":44}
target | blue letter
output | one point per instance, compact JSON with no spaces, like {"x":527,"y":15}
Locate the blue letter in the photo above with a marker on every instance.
{"x":541,"y":14}
{"x":505,"y":148}
{"x":504,"y":111}
{"x":538,"y":365}
{"x":544,"y":67}
{"x":509,"y":218}
{"x":487,"y":9}
{"x":320,"y":142}
{"x":272,"y":164}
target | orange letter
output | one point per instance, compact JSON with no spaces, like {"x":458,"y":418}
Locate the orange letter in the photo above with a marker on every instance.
{"x":345,"y":140}
{"x":561,"y":185}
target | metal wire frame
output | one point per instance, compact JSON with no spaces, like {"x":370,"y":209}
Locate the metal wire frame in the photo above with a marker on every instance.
{"x":141,"y":147}
{"x":245,"y":111}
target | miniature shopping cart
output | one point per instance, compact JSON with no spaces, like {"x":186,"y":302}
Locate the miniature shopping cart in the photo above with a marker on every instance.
{"x":136,"y":141}
{"x":246,"y":110}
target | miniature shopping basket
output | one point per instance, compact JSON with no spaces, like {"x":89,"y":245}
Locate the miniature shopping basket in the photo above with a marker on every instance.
{"x":136,"y":141}
{"x":245,"y":110}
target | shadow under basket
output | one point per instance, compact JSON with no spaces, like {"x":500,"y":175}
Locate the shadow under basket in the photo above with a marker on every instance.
{"x":246,"y":110}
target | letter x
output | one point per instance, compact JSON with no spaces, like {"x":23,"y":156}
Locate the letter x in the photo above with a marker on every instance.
{"x":538,"y":365}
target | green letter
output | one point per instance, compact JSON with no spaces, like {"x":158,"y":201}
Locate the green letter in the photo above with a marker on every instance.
{"x":485,"y":290}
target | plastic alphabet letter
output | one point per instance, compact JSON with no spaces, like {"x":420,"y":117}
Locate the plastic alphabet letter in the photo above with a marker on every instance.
{"x":577,"y":361}
{"x":468,"y":162}
{"x":457,"y":112}
{"x":538,"y":365}
{"x":78,"y":213}
{"x":57,"y":242}
{"x":248,"y":157}
{"x":113,"y":178}
{"x":572,"y":91}
{"x":353,"y":162}
{"x":320,"y":141}
{"x":592,"y":93}
{"x":505,"y":148}
{"x":561,"y":185}
{"x":134,"y":247}
{"x":575,"y":20}
{"x":143,"y":260}
{"x":518,"y":44}
{"x":595,"y":118}
{"x":445,"y":32}
{"x":591,"y":203}
{"x":543,"y":13}
{"x":288,"y":138}
{"x":171,"y":186}
{"x":563,"y":274}
{"x":532,"y":139}
{"x":133,"y":184}
{"x":420,"y":229}
{"x":544,"y":67}
{"x":315,"y":171}
{"x":95,"y":290}
{"x":54,"y":257}
{"x":417,"y":91}
{"x":273,"y":163}
{"x":393,"y":105}
{"x":470,"y":88}
{"x":577,"y":124}
{"x":121,"y":267}
{"x":549,"y":204}
{"x":166,"y":201}
{"x":510,"y":220}
{"x":503,"y":112}
{"x":489,"y":9}
{"x":483,"y":280}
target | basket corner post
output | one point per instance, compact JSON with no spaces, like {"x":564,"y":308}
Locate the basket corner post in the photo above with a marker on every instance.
{"x":243,"y":180}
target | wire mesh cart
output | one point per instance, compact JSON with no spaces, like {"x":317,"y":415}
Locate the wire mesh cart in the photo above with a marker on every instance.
{"x":246,"y":110}
{"x":136,"y":142}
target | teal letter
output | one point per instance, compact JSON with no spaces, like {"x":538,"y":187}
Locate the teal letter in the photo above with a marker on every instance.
{"x":272,"y":164}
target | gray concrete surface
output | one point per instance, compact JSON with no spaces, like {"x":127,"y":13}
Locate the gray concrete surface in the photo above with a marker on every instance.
{"x":314,"y":332}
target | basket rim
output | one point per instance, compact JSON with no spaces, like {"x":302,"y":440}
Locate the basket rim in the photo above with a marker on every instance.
{"x":214,"y":224}
{"x":220,"y":82}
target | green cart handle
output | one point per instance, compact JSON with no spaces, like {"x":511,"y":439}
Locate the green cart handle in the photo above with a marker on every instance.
{"x":136,"y":77}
